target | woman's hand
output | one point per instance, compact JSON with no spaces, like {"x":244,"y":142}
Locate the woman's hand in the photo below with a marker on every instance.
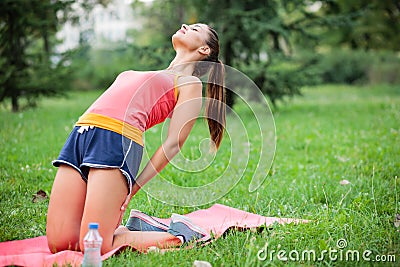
{"x":125,"y":204}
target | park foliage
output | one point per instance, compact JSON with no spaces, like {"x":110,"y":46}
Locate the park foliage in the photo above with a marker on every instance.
{"x":281,"y":45}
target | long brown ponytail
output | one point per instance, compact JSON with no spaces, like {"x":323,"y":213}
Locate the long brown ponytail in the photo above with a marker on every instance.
{"x":215,"y":108}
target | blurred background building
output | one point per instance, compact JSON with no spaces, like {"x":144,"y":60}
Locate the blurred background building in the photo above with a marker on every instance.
{"x":101,"y":26}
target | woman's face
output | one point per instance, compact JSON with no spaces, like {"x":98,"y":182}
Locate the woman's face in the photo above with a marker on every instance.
{"x":191,"y":36}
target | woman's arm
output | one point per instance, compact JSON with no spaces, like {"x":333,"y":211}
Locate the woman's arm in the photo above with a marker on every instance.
{"x":185,"y":114}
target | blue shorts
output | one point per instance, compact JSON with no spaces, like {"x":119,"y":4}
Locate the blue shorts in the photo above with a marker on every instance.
{"x":92,"y":147}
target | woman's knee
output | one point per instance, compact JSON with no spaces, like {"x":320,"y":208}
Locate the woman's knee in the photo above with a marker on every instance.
{"x":106,"y":246}
{"x":62,"y":234}
{"x":61,"y":239}
{"x":65,"y":210}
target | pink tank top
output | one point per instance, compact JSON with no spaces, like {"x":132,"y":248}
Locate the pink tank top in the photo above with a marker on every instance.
{"x":136,"y":101}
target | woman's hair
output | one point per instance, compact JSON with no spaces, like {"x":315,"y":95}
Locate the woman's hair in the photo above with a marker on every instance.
{"x":215,"y":108}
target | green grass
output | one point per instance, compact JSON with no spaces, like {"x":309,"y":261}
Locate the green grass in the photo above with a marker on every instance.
{"x":330,"y":134}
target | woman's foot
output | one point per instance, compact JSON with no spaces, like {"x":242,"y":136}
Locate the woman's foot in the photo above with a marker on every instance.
{"x":183,"y":228}
{"x":139,"y":221}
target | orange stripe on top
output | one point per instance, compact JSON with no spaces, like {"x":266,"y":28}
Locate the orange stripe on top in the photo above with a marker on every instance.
{"x":111,"y":124}
{"x":176,"y":91}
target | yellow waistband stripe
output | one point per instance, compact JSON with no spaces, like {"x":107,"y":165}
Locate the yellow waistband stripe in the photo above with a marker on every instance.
{"x":176,"y":91}
{"x":111,"y":124}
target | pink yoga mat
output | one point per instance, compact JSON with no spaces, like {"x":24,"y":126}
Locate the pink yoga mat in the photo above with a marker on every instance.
{"x":216,"y":219}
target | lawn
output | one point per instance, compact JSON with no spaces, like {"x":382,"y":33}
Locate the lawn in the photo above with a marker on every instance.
{"x":329,"y":136}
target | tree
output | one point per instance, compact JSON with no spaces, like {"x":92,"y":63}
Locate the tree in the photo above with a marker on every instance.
{"x":23,"y":24}
{"x":255,"y":36}
{"x":29,"y":66}
{"x":364,"y":24}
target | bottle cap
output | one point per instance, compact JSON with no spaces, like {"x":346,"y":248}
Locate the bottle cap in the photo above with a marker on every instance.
{"x":93,"y":226}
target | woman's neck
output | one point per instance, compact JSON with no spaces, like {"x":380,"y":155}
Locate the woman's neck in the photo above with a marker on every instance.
{"x":183,"y":63}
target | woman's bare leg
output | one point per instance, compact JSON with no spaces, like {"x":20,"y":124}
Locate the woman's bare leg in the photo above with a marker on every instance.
{"x":73,"y":204}
{"x":65,"y":211}
{"x":143,"y":240}
{"x":106,"y":192}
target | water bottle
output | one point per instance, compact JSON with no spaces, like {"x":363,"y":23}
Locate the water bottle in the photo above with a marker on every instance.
{"x":92,"y":243}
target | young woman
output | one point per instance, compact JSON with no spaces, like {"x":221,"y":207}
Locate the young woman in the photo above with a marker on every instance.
{"x":99,"y":162}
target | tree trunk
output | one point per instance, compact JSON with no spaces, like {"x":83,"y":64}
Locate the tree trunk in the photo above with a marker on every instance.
{"x":230,"y":97}
{"x":275,"y":40}
{"x":15,"y":50}
{"x":46,"y":43}
{"x":14,"y":103}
